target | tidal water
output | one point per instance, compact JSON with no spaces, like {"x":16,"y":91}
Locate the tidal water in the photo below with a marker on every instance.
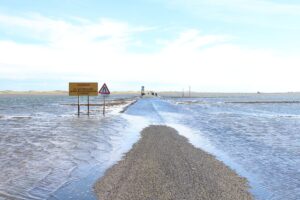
{"x":48,"y":152}
{"x":258,"y":136}
{"x":45,"y":146}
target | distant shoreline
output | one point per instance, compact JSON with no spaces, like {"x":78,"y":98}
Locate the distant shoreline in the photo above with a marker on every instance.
{"x":54,"y":92}
{"x":31,"y":92}
{"x":162,"y":93}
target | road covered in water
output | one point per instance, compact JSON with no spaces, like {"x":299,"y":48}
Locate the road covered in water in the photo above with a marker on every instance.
{"x":258,"y":138}
{"x":46,"y":152}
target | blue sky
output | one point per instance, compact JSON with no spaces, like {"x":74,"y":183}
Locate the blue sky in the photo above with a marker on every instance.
{"x":212,"y":45}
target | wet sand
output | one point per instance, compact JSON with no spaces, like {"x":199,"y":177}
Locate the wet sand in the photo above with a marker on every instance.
{"x":163,"y":165}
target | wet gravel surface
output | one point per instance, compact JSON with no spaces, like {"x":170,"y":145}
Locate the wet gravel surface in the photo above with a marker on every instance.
{"x":164,"y":165}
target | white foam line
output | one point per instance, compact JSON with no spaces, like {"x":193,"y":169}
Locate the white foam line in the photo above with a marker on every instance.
{"x":197,"y":139}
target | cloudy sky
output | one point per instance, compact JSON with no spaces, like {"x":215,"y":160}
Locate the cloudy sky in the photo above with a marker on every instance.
{"x":211,"y":45}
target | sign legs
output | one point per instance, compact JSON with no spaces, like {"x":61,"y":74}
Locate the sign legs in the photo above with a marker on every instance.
{"x":78,"y":106}
{"x":103,"y":105}
{"x":88,"y":104}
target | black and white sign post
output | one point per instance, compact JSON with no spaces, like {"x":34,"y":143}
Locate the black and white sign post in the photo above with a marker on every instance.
{"x":104,"y":91}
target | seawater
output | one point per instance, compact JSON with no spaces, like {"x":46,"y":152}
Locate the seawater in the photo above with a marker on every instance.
{"x":47,"y":152}
{"x":45,"y":146}
{"x":259,"y":140}
{"x":256,"y":135}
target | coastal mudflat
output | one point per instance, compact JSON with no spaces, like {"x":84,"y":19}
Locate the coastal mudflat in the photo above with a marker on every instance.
{"x":163,"y":165}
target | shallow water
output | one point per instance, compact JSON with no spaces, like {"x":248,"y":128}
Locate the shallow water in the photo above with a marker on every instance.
{"x":46,"y":151}
{"x":261,"y":141}
{"x":44,"y":146}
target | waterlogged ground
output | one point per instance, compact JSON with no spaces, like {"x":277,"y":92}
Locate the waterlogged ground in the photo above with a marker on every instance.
{"x":47,"y":152}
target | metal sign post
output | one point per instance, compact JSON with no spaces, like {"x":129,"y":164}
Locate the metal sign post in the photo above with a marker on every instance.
{"x":103,"y":105}
{"x":78,"y":106}
{"x":88,"y":104}
{"x":104,"y":91}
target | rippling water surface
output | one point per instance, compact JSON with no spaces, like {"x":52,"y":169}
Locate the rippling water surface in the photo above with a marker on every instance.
{"x":47,"y":152}
{"x":260,"y":134}
{"x":44,"y":145}
{"x":256,"y":135}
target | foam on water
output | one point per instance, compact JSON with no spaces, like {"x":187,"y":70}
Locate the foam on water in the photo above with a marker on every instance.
{"x":197,"y":139}
{"x":47,"y":147}
{"x":261,"y":138}
{"x":260,"y":142}
{"x":82,"y":188}
{"x":46,"y":151}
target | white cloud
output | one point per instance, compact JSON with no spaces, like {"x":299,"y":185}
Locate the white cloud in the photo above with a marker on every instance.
{"x":98,"y":51}
{"x":58,"y":32}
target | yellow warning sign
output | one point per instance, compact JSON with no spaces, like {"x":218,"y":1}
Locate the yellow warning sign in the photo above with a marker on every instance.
{"x":83,"y":89}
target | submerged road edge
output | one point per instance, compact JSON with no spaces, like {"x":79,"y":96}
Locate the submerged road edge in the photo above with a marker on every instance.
{"x":164,"y":165}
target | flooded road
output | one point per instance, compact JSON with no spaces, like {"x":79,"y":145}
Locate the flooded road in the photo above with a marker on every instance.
{"x":47,"y":152}
{"x":259,"y":139}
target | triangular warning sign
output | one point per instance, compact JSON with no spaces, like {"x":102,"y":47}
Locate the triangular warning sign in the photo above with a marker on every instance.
{"x":104,"y":89}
